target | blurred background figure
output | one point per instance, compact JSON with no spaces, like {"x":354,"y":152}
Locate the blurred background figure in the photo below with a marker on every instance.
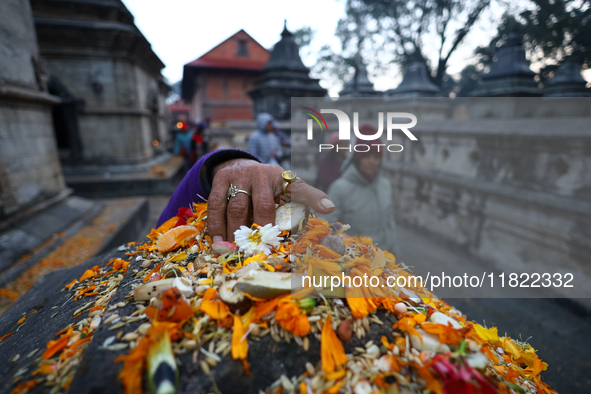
{"x":183,"y":146}
{"x":364,"y":197}
{"x":329,"y":164}
{"x":200,"y":140}
{"x":264,"y":142}
{"x":285,"y":141}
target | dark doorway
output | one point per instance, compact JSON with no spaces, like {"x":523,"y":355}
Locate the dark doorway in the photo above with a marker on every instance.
{"x":65,"y":121}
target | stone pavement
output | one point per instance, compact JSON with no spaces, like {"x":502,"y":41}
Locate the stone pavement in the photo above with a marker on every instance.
{"x":26,"y":234}
{"x":558,"y":330}
{"x":120,"y":220}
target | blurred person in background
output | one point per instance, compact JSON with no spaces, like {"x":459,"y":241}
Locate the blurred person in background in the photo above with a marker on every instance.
{"x":285,"y":140}
{"x":364,"y":197}
{"x":200,"y":140}
{"x":329,"y":164}
{"x":183,"y":146}
{"x":205,"y":128}
{"x":264,"y":142}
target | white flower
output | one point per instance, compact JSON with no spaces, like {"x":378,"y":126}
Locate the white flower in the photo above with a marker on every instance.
{"x":258,"y":240}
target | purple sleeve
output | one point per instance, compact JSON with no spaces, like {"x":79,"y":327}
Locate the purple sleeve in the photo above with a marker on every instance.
{"x":197,"y":182}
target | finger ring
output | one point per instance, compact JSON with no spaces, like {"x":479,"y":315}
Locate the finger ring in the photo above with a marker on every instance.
{"x":233,"y":191}
{"x":288,"y":177}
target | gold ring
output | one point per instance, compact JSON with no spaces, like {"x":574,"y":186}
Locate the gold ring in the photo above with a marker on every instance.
{"x":233,"y":191}
{"x":288,"y":177}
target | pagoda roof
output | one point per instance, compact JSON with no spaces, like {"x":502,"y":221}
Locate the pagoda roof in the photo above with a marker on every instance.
{"x":219,"y":57}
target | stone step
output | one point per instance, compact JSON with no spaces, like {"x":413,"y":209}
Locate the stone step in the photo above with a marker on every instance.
{"x":23,"y":238}
{"x":109,"y":224}
{"x":161,"y":179}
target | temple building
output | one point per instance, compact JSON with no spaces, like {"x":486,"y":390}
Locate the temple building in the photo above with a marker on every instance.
{"x":568,"y":81}
{"x":113,"y":111}
{"x":415,"y":83}
{"x":215,"y":85}
{"x":359,"y":85}
{"x":30,"y":171}
{"x":510,"y":74}
{"x":283,"y":77}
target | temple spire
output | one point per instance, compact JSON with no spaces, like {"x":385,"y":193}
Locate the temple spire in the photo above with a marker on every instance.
{"x":359,"y":85}
{"x":510,"y":73}
{"x":284,"y":76}
{"x":568,"y":81}
{"x":415,"y":83}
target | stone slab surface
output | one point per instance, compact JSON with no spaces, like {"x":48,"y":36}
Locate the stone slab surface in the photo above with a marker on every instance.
{"x":559,"y":330}
{"x":558,"y":333}
{"x":47,"y":298}
{"x":34,"y":231}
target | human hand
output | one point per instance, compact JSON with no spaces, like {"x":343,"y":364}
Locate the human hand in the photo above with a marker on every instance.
{"x":264,"y":183}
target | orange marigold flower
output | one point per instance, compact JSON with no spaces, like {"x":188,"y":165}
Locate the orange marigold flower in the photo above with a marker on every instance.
{"x":88,"y":274}
{"x":447,"y":334}
{"x":6,"y":336}
{"x":239,"y":342}
{"x":290,"y":317}
{"x":24,"y":387}
{"x":332,"y":351}
{"x":215,"y":309}
{"x":360,"y":305}
{"x":135,"y":362}
{"x":54,"y":347}
{"x":407,"y":324}
{"x":174,"y":308}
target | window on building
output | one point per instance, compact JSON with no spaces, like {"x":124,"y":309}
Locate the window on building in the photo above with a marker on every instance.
{"x":242,"y":48}
{"x":225,"y":90}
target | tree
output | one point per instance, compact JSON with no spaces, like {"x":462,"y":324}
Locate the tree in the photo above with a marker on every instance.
{"x":411,"y":28}
{"x":355,"y":34}
{"x":303,"y":37}
{"x":552,"y":30}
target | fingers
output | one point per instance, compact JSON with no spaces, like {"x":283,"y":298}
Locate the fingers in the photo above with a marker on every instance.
{"x":264,"y":182}
{"x":237,"y":214}
{"x":216,"y":208}
{"x":263,"y":204}
{"x":315,"y":198}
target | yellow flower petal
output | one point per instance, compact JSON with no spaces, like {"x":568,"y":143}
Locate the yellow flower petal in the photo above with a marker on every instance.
{"x":487,"y":334}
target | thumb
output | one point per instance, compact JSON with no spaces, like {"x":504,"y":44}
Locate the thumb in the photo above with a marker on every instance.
{"x":315,"y":198}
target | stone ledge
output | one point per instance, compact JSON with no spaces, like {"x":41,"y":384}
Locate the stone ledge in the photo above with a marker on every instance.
{"x":68,"y":216}
{"x":17,"y":93}
{"x":570,"y":205}
{"x":26,"y":213}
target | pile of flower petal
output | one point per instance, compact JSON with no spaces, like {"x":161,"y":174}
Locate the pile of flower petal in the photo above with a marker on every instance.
{"x":214,"y":299}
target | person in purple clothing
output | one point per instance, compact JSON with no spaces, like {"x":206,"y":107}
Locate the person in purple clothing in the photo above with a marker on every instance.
{"x":211,"y":177}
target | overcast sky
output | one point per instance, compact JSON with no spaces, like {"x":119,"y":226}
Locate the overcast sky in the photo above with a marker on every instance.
{"x":183,"y":30}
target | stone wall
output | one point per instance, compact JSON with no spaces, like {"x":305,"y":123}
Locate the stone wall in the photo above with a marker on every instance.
{"x":116,"y":124}
{"x":30,"y":170}
{"x":507,"y":179}
{"x":518,"y":197}
{"x":97,"y":53}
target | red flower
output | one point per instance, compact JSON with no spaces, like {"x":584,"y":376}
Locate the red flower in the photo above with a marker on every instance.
{"x":461,"y":379}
